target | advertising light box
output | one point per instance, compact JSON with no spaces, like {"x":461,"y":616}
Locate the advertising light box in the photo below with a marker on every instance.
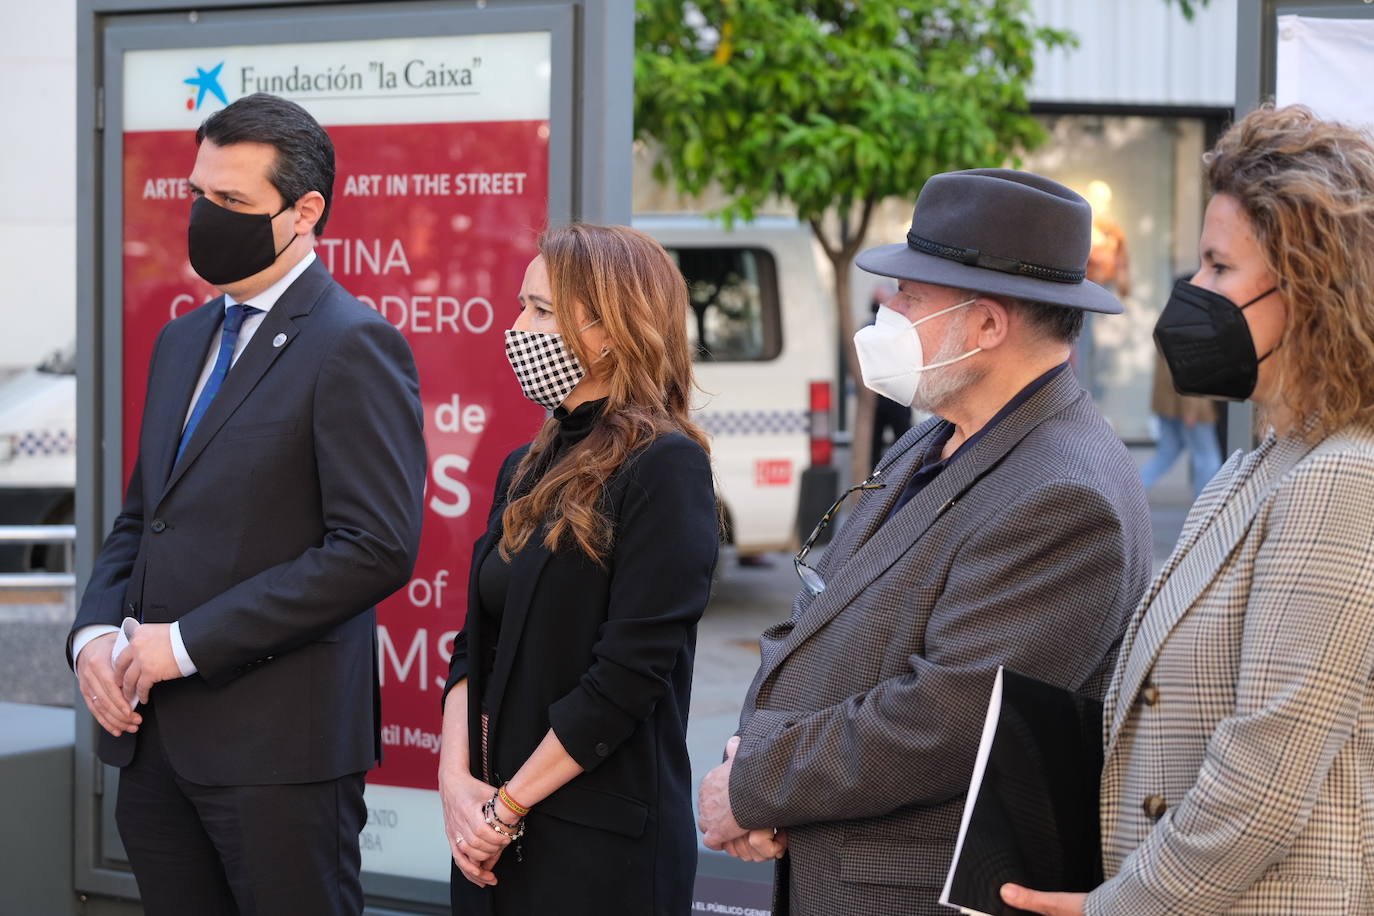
{"x":443,"y":158}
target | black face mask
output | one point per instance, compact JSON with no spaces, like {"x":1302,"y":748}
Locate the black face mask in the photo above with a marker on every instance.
{"x":1207,"y":344}
{"x":226,"y":246}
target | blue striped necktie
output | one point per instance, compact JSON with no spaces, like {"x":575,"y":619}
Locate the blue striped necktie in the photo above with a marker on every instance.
{"x":228,"y":339}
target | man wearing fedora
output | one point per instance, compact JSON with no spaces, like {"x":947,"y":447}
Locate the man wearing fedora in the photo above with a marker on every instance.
{"x":1008,"y":529}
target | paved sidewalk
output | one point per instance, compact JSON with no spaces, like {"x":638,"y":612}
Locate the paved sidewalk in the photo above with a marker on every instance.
{"x":33,"y":666}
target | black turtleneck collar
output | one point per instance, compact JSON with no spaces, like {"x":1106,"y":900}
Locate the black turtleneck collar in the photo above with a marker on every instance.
{"x":576,"y":424}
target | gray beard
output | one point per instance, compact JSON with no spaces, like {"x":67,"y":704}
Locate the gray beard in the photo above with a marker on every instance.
{"x":937,"y":388}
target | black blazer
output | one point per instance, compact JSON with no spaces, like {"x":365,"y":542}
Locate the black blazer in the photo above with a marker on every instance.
{"x":603,"y":656}
{"x":294,"y":510}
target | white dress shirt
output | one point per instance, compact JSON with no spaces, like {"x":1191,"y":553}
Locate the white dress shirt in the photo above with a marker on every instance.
{"x":264,"y":302}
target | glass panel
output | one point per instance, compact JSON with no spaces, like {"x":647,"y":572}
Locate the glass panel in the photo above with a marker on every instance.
{"x":734,"y":305}
{"x":1142,"y":176}
{"x":427,"y":192}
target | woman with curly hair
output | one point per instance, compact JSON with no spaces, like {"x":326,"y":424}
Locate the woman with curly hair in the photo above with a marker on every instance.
{"x":1239,"y":770}
{"x":563,"y":771}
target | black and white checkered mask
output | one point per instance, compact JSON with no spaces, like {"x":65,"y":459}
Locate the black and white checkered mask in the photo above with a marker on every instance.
{"x":545,"y":367}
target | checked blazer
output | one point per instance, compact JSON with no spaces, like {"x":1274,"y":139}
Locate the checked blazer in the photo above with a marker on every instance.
{"x":1239,"y":771}
{"x":858,"y":734}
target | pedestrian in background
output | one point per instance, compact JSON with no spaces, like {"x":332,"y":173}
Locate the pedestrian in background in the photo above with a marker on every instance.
{"x":565,"y":715}
{"x":1010,"y":528}
{"x":1185,"y":424}
{"x":1239,"y":771}
{"x":890,"y":419}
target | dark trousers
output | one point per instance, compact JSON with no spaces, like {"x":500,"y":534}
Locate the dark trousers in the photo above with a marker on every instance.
{"x":238,"y":850}
{"x":888,"y":417}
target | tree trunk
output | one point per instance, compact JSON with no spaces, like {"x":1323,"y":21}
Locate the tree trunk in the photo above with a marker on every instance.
{"x":841,"y":257}
{"x":861,"y":446}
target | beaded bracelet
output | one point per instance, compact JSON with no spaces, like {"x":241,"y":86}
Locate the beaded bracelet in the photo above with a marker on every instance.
{"x":509,"y":831}
{"x":492,"y":803}
{"x":519,"y":809}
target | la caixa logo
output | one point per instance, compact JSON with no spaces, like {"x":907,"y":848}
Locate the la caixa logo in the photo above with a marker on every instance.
{"x":205,"y":81}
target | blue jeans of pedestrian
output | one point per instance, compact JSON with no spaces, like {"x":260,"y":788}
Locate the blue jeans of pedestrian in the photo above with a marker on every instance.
{"x":1200,"y":439}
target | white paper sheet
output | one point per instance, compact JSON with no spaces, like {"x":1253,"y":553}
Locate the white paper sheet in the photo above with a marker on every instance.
{"x":980,"y":765}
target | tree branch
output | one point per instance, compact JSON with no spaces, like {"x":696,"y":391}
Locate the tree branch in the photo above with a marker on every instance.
{"x":833,"y":252}
{"x":865,"y":217}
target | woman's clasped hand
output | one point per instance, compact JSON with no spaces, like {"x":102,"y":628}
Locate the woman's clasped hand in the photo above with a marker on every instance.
{"x":475,"y":844}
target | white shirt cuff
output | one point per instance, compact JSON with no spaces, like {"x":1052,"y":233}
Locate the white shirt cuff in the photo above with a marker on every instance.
{"x":84,"y":636}
{"x":184,"y":662}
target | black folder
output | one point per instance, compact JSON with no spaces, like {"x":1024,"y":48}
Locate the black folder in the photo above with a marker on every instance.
{"x":1031,"y":816}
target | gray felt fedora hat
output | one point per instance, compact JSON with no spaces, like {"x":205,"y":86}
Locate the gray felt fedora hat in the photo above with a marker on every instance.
{"x":998,"y":231}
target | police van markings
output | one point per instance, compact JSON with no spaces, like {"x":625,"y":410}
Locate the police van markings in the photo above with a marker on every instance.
{"x":755,"y":422}
{"x":44,"y":442}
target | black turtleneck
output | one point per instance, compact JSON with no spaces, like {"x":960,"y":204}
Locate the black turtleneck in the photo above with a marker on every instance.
{"x":493,"y":578}
{"x":575,"y":425}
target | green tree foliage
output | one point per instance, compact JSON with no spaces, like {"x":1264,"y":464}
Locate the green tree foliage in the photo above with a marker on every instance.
{"x":1189,"y":7}
{"x":832,"y":105}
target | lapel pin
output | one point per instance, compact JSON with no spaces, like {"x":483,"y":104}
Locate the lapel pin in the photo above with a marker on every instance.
{"x":278,"y":340}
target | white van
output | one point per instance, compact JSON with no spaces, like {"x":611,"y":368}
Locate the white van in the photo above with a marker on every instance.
{"x":38,"y":456}
{"x":763,"y":327}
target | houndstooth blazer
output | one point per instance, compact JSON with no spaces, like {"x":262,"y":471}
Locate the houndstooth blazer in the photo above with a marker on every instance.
{"x":859,"y":731}
{"x":1239,"y":771}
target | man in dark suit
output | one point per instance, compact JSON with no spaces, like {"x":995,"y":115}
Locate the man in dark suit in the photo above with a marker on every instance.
{"x":276,"y":500}
{"x":1010,"y":528}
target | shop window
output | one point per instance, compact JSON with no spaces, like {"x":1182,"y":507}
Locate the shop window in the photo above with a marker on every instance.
{"x":1143,"y":177}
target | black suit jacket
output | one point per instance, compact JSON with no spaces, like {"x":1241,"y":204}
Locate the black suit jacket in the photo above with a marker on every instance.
{"x":603,"y":657}
{"x":294,"y":510}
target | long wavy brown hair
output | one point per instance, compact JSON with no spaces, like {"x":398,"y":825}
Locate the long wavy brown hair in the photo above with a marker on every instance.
{"x":627,"y":282}
{"x":1307,"y":186}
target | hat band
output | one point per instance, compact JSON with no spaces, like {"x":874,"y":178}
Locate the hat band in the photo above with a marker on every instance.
{"x":975,"y":258}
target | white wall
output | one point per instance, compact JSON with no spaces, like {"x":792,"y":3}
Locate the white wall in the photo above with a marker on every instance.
{"x":37,"y":179}
{"x":1140,"y":52}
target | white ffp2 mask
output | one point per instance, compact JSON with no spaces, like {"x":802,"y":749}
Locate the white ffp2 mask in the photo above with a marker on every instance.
{"x":890,"y":355}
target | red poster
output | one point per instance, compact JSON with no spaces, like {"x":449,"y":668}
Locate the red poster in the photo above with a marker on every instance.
{"x":442,"y":149}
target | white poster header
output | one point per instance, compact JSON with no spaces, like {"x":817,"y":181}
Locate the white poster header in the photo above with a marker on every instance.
{"x":1326,"y":65}
{"x":450,"y":79}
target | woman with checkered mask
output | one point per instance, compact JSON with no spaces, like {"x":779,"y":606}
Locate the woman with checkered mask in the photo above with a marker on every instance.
{"x":564,"y":771}
{"x":1239,"y":769}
